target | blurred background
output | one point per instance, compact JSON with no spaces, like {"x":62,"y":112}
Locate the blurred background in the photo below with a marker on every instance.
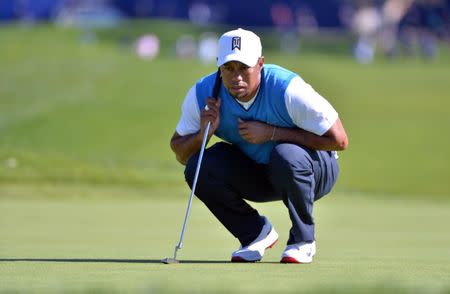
{"x":91,"y":91}
{"x":389,"y":26}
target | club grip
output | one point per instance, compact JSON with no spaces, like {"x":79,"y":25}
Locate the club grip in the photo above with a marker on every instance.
{"x":217,"y":83}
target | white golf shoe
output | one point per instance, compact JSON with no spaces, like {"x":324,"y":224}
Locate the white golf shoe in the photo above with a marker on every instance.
{"x":255,"y":250}
{"x":302,"y":252}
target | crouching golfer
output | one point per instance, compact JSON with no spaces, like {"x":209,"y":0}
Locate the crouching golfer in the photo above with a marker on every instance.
{"x":281,"y":141}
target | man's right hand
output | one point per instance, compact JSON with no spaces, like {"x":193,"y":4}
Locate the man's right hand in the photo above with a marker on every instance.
{"x":210,"y":113}
{"x":187,"y":145}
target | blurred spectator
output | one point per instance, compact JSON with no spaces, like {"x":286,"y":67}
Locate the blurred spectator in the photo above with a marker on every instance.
{"x":147,"y":46}
{"x":282,"y":16}
{"x":445,"y":12}
{"x":346,"y":12}
{"x":306,"y":20}
{"x":392,"y":13}
{"x":409,"y":30}
{"x":420,"y":27}
{"x":186,"y":47}
{"x":366,"y":24}
{"x":87,"y":14}
{"x":283,"y":20}
{"x":200,"y":13}
{"x":207,"y":47}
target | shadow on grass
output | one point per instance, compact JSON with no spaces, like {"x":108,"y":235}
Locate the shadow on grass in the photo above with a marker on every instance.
{"x":119,"y":260}
{"x":105,"y":260}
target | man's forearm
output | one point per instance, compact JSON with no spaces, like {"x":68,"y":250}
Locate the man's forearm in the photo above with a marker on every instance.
{"x":185,"y":146}
{"x":307,"y":139}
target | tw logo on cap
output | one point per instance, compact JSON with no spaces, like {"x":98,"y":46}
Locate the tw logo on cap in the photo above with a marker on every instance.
{"x":236,"y":43}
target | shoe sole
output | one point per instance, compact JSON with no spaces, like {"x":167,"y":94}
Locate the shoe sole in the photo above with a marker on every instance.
{"x":240,"y":259}
{"x":288,"y":259}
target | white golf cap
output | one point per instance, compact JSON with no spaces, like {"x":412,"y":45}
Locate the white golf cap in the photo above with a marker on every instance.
{"x":239,"y":45}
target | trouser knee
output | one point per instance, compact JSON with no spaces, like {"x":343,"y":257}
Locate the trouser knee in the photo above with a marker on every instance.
{"x":208,"y":177}
{"x":287,"y":160}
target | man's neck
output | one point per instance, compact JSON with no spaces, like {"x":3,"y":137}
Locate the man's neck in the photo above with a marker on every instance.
{"x":248,"y":97}
{"x":248,"y":102}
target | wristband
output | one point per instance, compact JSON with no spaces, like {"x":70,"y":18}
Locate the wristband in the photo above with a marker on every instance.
{"x":273,"y":133}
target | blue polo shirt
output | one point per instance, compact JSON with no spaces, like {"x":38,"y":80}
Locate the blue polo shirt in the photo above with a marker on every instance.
{"x":269,"y":107}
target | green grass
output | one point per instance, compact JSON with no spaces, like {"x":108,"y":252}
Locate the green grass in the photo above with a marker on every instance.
{"x":111,"y":239}
{"x":91,"y":196}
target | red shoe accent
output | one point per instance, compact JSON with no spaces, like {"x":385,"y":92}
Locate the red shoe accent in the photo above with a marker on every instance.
{"x":272,"y":244}
{"x":289,"y":260}
{"x":240,"y":259}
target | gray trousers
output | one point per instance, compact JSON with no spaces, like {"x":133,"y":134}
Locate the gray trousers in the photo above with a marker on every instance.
{"x":295,"y":174}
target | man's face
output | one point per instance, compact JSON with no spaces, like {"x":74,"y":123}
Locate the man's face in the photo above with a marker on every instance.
{"x":240,"y":80}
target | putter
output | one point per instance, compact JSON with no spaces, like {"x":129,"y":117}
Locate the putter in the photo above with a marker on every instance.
{"x":174,"y":260}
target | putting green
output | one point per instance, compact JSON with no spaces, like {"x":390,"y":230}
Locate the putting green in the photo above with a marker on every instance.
{"x":112,"y":239}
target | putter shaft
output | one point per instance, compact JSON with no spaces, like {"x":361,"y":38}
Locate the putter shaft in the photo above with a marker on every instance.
{"x":197,"y":171}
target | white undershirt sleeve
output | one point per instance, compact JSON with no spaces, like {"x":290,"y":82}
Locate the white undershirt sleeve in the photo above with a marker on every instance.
{"x":189,"y":122}
{"x":308,"y":109}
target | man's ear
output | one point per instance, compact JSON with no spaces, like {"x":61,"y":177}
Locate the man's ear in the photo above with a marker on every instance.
{"x":261,"y":61}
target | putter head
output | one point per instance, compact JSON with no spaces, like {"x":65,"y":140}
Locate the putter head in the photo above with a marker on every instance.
{"x":169,"y":260}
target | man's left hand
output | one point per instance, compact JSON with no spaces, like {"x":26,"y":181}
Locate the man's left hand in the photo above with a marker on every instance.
{"x":255,"y":132}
